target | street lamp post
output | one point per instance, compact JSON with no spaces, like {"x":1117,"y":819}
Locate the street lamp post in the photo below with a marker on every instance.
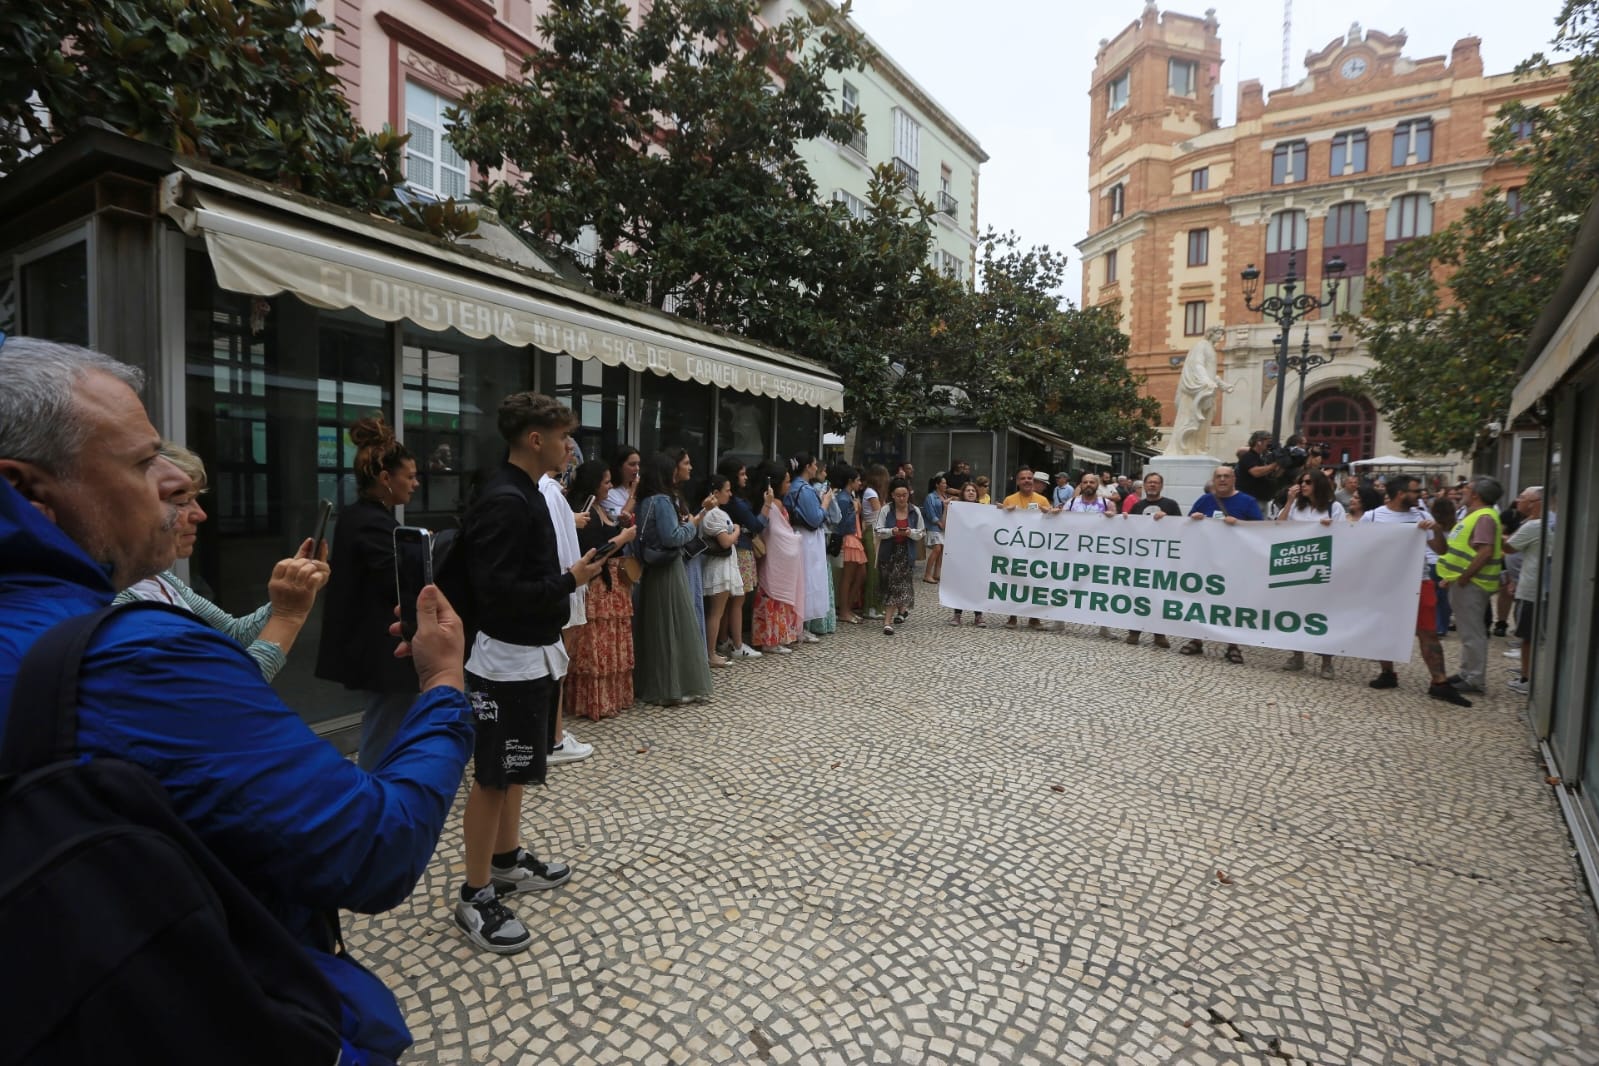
{"x":1304,"y":364}
{"x":1285,"y":310}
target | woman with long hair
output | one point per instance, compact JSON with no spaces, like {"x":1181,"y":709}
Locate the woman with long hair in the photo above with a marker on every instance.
{"x":356,"y":649}
{"x":599,"y":676}
{"x":899,"y":527}
{"x":780,"y":596}
{"x":933,"y":509}
{"x":807,"y":513}
{"x":968,"y":494}
{"x":873,"y":496}
{"x":682,"y":472}
{"x":845,"y":480}
{"x":719,"y":568}
{"x":618,"y":499}
{"x":745,"y":511}
{"x":668,"y":650}
{"x":268,"y":632}
{"x":1310,"y":499}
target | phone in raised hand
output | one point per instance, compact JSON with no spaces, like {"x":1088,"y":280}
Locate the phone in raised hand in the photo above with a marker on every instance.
{"x":324,"y":509}
{"x":413,"y":571}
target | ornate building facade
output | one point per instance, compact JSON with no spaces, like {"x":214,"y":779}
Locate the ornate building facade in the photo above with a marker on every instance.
{"x":1370,"y":149}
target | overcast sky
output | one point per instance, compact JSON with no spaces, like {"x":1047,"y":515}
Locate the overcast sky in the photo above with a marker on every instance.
{"x":1015,"y":74}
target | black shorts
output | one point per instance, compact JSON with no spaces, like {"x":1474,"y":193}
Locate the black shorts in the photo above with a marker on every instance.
{"x":515,"y":729}
{"x":1524,"y":619}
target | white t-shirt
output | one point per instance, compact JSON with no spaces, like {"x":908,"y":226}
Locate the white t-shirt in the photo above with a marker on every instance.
{"x":614,"y":501}
{"x":1528,"y":539}
{"x":870,"y":502}
{"x":567,"y":550}
{"x":1388,"y":515}
{"x":1310,"y":514}
{"x":1099,"y":504}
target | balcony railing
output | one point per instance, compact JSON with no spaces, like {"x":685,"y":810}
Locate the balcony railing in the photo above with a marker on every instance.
{"x":857,"y":143}
{"x":908,"y":172}
{"x":947,"y":204}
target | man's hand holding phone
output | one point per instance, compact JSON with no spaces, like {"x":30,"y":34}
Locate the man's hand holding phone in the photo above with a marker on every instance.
{"x":439,"y":647}
{"x":587,"y":569}
{"x":295,"y":582}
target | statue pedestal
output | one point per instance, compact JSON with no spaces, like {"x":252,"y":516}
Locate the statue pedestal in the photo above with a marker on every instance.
{"x":1185,"y":476}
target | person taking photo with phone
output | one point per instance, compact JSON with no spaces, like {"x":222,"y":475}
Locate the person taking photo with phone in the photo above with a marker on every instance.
{"x":269,"y":631}
{"x":599,"y":679}
{"x":355,"y":648}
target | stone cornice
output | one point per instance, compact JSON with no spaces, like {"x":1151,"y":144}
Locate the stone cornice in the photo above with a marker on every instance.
{"x":1451,"y":181}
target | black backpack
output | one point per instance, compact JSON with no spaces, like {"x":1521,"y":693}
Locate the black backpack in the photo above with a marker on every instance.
{"x":127,"y":940}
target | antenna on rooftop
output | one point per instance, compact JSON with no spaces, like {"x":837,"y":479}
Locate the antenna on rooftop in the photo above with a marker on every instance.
{"x":1288,"y":36}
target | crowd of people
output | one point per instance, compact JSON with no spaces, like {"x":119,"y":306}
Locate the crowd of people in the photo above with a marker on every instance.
{"x":572,"y":589}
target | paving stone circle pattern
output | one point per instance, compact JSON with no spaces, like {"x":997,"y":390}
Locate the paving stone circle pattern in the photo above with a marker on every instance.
{"x":986,"y":846}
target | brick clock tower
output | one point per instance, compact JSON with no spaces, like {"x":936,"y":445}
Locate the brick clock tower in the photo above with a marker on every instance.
{"x":1369,"y":149}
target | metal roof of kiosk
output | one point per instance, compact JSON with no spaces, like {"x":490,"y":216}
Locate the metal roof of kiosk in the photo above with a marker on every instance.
{"x":264,"y":241}
{"x":1081,"y":453}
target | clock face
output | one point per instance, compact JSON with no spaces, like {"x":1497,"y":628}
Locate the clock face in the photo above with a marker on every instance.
{"x":1353,"y":67}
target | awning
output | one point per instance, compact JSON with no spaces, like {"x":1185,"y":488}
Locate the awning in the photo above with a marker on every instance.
{"x":263,"y":242}
{"x":1080,"y":454}
{"x":1571,"y":339}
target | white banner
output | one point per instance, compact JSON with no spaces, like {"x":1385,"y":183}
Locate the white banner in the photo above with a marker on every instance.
{"x":1300,"y":586}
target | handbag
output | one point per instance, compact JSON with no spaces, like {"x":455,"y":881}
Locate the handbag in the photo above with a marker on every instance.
{"x":632,"y":570}
{"x":653,"y":556}
{"x":835,"y":543}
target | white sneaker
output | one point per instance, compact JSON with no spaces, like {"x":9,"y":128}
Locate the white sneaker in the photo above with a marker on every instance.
{"x":570,"y":749}
{"x":782,"y":649}
{"x":807,"y":637}
{"x":744,"y":651}
{"x":1521,"y":685}
{"x":1513,"y":653}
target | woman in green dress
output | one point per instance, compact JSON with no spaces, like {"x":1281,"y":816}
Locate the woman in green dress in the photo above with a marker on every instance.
{"x":669,"y":654}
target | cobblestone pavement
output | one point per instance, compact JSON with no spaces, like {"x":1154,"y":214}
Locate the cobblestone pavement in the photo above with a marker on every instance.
{"x":986,"y":846}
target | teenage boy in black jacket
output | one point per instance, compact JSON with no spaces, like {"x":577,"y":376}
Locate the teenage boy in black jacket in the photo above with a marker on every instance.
{"x":514,"y":668}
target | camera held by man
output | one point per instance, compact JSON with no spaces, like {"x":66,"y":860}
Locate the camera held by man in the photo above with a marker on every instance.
{"x":1264,"y":465}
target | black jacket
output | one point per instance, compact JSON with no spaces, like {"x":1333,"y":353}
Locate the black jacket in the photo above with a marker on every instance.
{"x":355,"y":648}
{"x":519,"y":590}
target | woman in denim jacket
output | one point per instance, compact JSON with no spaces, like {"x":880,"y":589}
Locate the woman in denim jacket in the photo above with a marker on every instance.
{"x":669,"y":655}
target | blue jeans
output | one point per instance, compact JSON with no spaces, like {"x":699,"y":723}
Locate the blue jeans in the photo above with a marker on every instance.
{"x":380,"y":722}
{"x":1445,"y":614}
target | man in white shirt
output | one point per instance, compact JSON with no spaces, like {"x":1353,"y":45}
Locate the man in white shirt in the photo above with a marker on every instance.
{"x":1527,"y":540}
{"x":566,"y":522}
{"x":1403,"y":507}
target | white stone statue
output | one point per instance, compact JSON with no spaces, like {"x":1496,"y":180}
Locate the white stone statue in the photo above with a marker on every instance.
{"x":1196,"y":401}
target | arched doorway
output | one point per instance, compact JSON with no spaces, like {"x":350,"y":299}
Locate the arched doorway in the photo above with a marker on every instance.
{"x":1346,"y":424}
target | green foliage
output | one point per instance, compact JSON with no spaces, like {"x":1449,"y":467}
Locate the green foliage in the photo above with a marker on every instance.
{"x":673,"y":134}
{"x":1447,"y":317}
{"x":245,"y":86}
{"x":1021,"y":357}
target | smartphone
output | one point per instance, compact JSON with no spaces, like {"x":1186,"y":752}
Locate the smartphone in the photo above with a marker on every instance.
{"x":606,"y":550}
{"x":588,"y":506}
{"x":324,"y":509}
{"x":413,"y":571}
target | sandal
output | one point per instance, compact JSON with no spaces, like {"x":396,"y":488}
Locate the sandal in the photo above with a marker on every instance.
{"x":1193,"y":647}
{"x":1234,"y":655}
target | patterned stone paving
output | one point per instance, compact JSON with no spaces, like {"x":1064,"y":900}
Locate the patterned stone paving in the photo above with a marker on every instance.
{"x":993,"y":847}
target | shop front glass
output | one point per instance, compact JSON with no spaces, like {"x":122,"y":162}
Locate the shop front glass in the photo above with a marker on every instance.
{"x":596,"y":393}
{"x":271,"y":386}
{"x":453,"y":389}
{"x":799,"y":429}
{"x":744,"y":430}
{"x":676,"y":414}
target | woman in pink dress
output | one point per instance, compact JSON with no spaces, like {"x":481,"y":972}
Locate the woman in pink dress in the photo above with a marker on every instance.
{"x":780,"y":596}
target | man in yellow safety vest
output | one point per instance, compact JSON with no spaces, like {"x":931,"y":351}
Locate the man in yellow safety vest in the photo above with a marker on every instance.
{"x":1469,"y":561}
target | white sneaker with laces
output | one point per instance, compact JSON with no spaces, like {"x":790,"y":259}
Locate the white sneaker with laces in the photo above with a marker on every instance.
{"x":490,"y":925}
{"x":807,"y":637}
{"x":570,"y":749}
{"x":744,"y":651}
{"x":1521,"y":685}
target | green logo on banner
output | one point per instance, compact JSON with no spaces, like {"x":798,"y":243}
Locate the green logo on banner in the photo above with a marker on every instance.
{"x":1301,"y":562}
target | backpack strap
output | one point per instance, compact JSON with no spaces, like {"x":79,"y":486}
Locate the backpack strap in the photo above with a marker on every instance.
{"x":42,"y":723}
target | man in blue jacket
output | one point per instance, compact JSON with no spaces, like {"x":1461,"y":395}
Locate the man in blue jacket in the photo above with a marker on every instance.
{"x":82,"y":517}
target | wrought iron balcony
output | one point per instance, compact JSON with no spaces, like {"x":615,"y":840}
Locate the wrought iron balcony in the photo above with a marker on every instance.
{"x":947,"y":204}
{"x":905,"y":170}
